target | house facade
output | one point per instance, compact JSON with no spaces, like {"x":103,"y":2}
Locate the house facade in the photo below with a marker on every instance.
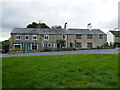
{"x":113,"y":36}
{"x":41,"y":39}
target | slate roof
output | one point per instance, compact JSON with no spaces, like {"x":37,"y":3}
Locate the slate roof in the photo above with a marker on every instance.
{"x":25,"y":41}
{"x":55,"y":31}
{"x":116,"y":33}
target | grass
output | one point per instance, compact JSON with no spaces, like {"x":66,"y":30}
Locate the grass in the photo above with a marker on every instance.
{"x":61,"y":71}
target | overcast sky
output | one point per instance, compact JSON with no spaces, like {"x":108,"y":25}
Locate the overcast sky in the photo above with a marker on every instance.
{"x":102,"y":14}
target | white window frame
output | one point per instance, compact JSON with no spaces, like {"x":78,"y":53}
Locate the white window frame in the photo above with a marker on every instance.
{"x":33,"y":45}
{"x":46,"y":36}
{"x":28,"y":37}
{"x":18,"y":44}
{"x":65,"y":37}
{"x":52,"y":44}
{"x":33,"y":36}
{"x":17,"y":36}
{"x":46,"y":44}
{"x":65,"y":45}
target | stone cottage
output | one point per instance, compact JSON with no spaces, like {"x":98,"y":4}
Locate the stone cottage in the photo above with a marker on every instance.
{"x":40,"y":39}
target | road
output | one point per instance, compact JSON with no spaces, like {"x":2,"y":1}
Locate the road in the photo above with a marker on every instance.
{"x":93,"y":51}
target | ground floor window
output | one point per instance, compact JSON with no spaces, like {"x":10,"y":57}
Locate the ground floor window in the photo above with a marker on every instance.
{"x":78,"y":45}
{"x":45,"y":45}
{"x":65,"y":45}
{"x":17,"y":46}
{"x":89,"y":45}
{"x":52,"y":45}
{"x":34,"y":47}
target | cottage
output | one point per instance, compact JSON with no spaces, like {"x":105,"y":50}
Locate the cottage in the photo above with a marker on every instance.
{"x":113,"y":36}
{"x":40,"y":39}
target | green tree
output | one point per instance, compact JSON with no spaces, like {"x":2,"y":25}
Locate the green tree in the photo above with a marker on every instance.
{"x":56,"y":27}
{"x":5,"y":45}
{"x":61,"y":42}
{"x":37,"y":25}
{"x":33,"y":25}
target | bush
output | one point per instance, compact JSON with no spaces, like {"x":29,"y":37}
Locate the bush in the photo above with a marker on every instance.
{"x":5,"y":46}
{"x":116,"y":44}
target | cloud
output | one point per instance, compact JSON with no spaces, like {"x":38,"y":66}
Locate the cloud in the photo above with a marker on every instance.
{"x":78,"y":13}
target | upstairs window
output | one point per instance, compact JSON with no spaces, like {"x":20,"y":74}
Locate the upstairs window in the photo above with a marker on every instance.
{"x":34,"y":37}
{"x":46,"y":37}
{"x":78,"y":36}
{"x":64,"y":37}
{"x":27,"y":37}
{"x":100,"y":36}
{"x":18,"y":37}
{"x":89,"y":36}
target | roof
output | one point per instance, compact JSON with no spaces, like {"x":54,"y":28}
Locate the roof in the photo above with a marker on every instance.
{"x":37,"y":31}
{"x":55,"y":31}
{"x":26,"y":41}
{"x":116,"y":33}
{"x":84,"y":31}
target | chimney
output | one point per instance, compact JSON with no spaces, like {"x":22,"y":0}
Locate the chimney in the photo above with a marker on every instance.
{"x":65,"y":26}
{"x":89,"y":26}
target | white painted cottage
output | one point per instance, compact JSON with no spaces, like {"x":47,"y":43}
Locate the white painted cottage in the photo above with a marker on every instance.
{"x":113,"y":36}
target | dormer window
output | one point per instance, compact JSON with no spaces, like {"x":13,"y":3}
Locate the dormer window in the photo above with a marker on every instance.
{"x":34,"y":37}
{"x":18,"y":37}
{"x":46,"y":37}
{"x":27,"y":37}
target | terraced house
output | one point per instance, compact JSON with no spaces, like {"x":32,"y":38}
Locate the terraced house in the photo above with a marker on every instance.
{"x":40,"y":39}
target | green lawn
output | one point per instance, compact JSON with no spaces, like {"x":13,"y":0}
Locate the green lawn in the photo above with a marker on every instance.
{"x":61,"y":71}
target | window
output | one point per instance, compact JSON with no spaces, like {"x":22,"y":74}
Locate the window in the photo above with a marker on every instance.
{"x":78,"y":36}
{"x":100,"y":36}
{"x":89,"y":36}
{"x":45,"y":44}
{"x":78,"y":45}
{"x":18,"y":37}
{"x":27,"y":37}
{"x":34,"y":47}
{"x":46,"y":37}
{"x":89,"y":45}
{"x":64,"y":37}
{"x":17,"y":46}
{"x":34,"y":37}
{"x":52,"y":45}
{"x":65,"y":45}
{"x":118,"y":35}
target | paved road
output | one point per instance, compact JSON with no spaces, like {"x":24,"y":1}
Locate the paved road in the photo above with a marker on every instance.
{"x":95,"y":51}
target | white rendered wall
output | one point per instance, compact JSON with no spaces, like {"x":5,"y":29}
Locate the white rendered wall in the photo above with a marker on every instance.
{"x":110,"y":37}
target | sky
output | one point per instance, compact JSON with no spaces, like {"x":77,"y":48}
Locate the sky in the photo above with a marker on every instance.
{"x":102,"y":14}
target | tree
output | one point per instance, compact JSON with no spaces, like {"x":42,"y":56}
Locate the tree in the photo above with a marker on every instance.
{"x":56,"y":27}
{"x":43,"y":25}
{"x":37,"y":25}
{"x":33,"y":25}
{"x":61,"y":42}
{"x":5,"y":46}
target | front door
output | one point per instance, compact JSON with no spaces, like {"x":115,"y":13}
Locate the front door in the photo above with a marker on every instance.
{"x":71,"y":45}
{"x":58,"y":45}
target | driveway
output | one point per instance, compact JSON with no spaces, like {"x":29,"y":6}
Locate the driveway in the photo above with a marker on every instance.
{"x":93,"y":51}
